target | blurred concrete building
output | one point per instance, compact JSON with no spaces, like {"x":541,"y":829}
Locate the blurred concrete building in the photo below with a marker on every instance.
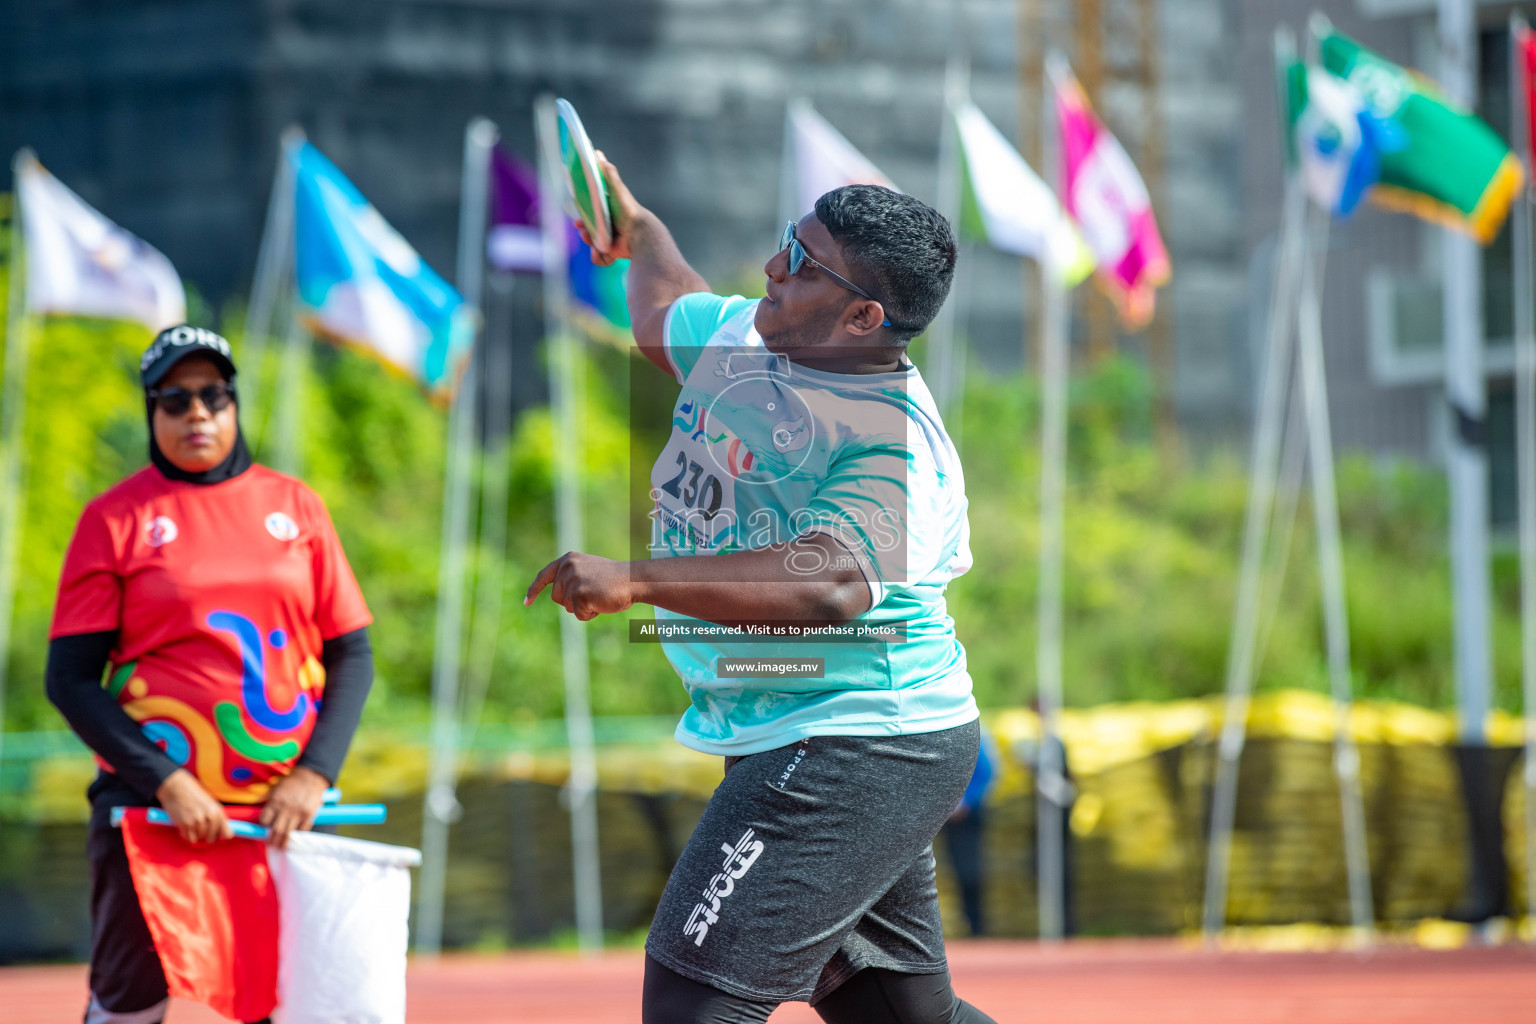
{"x":166,"y":114}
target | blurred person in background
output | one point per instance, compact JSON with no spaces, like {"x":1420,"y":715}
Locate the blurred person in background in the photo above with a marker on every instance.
{"x":963,"y":834}
{"x":801,"y":431}
{"x":215,"y":597}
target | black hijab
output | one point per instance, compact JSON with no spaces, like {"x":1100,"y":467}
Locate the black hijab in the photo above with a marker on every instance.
{"x":236,"y":462}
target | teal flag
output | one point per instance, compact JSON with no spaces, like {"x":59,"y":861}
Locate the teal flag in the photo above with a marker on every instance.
{"x":365,"y":286}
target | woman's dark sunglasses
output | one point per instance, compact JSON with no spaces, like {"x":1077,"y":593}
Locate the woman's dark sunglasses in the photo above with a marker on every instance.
{"x":176,"y":401}
{"x":798,"y":258}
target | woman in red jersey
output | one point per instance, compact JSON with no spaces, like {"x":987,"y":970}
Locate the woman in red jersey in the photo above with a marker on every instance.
{"x":213,"y":595}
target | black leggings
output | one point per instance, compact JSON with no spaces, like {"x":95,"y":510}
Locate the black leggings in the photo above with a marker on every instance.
{"x":873,"y":996}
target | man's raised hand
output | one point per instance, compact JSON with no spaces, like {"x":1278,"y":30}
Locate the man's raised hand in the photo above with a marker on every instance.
{"x":623,"y":208}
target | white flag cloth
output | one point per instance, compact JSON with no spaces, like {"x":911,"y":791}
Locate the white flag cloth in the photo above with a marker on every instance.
{"x":79,"y":263}
{"x":1017,"y":212}
{"x":342,"y":940}
{"x":820,"y":160}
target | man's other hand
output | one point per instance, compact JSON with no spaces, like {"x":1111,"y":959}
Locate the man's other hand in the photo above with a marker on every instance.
{"x":585,"y":585}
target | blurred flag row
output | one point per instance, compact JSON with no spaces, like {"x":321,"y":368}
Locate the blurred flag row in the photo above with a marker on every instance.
{"x":1101,"y":224}
{"x":366,"y":286}
{"x":1359,"y":126}
{"x":357,"y":279}
{"x":360,"y":283}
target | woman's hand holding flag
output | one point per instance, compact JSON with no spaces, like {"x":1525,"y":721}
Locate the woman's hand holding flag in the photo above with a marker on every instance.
{"x":196,"y":814}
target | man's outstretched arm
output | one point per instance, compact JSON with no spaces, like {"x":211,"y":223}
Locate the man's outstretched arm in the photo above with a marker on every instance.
{"x":658,"y":274}
{"x":812,"y":581}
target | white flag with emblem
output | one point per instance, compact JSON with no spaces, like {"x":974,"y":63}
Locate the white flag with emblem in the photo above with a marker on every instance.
{"x":79,"y":263}
{"x":817,"y":159}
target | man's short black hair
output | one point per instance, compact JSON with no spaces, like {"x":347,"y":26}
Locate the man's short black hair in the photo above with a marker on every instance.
{"x":897,"y":248}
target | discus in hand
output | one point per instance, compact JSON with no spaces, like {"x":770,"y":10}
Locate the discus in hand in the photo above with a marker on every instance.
{"x":586,"y":192}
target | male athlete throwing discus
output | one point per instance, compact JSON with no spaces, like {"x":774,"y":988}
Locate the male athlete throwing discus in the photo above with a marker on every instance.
{"x":808,"y":482}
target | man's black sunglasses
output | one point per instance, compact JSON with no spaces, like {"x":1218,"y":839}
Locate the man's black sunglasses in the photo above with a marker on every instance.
{"x":176,"y":401}
{"x":798,"y":258}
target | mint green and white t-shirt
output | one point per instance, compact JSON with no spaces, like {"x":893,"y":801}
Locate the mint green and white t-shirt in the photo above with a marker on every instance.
{"x":762,"y":451}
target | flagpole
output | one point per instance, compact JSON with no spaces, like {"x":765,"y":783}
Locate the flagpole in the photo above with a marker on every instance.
{"x":494,"y":374}
{"x":789,"y":179}
{"x":960,"y":297}
{"x":565,"y":395}
{"x":1525,"y":438}
{"x":1467,"y":394}
{"x":273,"y":269}
{"x":495,"y":472}
{"x":13,"y":408}
{"x":441,"y":805}
{"x":1287,"y":499}
{"x":1282,"y":526}
{"x":1263,"y":471}
{"x":1325,"y":505}
{"x":490,"y":562}
{"x":288,"y":406}
{"x":1051,"y":783}
{"x":943,"y":336}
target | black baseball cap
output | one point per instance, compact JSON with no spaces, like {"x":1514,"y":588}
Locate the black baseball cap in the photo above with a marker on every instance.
{"x":176,"y":343}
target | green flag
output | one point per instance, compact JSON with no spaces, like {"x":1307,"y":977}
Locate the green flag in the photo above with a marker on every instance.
{"x":1452,"y":167}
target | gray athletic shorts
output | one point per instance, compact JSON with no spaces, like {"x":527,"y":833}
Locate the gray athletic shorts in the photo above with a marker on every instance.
{"x":813,"y":862}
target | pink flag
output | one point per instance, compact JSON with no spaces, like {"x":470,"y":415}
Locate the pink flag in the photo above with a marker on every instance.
{"x":1525,"y":67}
{"x":1103,"y":192}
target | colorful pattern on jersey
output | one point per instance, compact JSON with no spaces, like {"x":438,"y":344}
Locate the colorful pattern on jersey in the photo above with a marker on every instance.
{"x":222,"y":597}
{"x":762,"y":451}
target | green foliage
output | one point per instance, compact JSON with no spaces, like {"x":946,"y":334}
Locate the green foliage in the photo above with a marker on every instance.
{"x":85,"y":429}
{"x":1152,"y":545}
{"x":1151,"y":561}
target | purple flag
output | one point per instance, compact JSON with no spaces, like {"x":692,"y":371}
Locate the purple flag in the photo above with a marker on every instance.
{"x":514,"y":242}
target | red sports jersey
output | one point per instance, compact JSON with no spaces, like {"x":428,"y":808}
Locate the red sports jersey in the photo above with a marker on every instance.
{"x":222,"y":594}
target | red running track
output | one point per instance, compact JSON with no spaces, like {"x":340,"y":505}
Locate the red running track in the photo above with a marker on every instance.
{"x":1088,"y":982}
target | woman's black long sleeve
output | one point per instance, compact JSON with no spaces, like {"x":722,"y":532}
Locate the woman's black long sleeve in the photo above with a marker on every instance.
{"x":73,"y":681}
{"x":348,"y":662}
